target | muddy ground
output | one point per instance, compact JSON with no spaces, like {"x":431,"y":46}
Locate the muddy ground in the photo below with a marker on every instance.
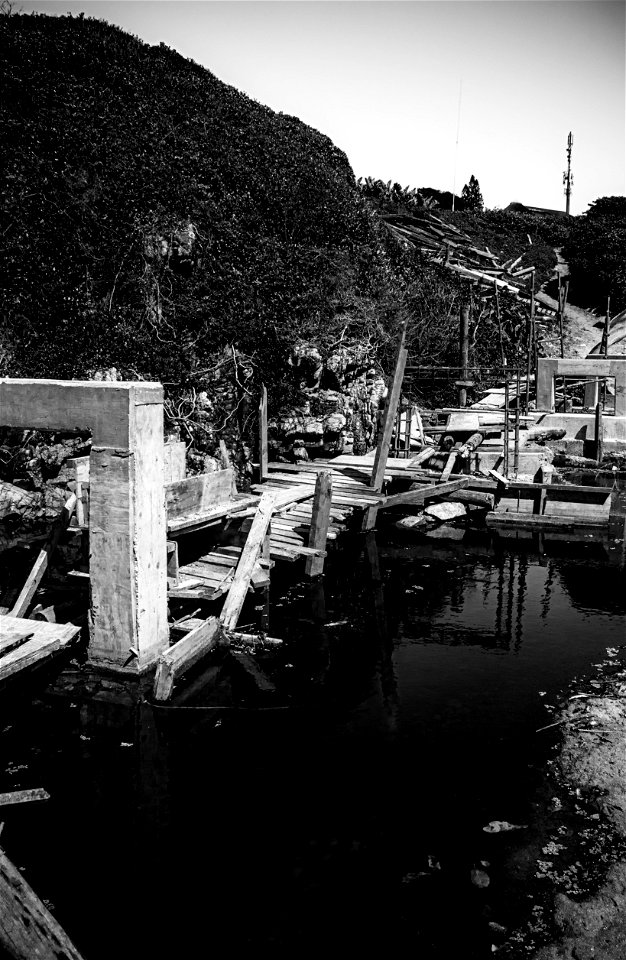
{"x":584,"y":915}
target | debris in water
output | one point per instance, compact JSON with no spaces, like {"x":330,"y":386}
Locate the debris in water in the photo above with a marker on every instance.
{"x":501,"y":826}
{"x":480,"y":878}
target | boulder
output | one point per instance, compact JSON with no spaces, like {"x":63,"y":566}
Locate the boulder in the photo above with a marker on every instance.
{"x":445,"y":511}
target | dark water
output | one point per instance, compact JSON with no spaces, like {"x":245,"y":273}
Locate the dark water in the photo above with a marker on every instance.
{"x":345,"y":811}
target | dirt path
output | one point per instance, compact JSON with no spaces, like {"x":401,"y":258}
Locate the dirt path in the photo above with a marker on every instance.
{"x":580,"y":327}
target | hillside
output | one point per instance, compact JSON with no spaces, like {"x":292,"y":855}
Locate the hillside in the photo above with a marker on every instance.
{"x":161,"y":223}
{"x":156,"y":214}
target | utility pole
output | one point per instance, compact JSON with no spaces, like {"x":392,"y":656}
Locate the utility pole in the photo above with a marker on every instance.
{"x":568,"y":178}
{"x":456,"y":146}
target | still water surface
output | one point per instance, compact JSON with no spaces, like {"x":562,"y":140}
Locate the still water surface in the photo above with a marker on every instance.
{"x":346,"y":814}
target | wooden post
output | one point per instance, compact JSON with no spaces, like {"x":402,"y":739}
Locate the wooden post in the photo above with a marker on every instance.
{"x":516,"y":432}
{"x":499,"y":319}
{"x":561,"y":311}
{"x":505,"y":449}
{"x":604,"y":348}
{"x":420,"y":426}
{"x":382,"y":449}
{"x":249,"y":556}
{"x":27,"y":928}
{"x":464,"y":350}
{"x":599,"y":433}
{"x":320,"y":518}
{"x":407,"y":430}
{"x":263,"y":444}
{"x":127,"y":563}
{"x":183,"y":655}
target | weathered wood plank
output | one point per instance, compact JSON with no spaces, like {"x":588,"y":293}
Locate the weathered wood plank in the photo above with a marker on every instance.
{"x":496,"y":519}
{"x":382,"y":448}
{"x":249,"y":556}
{"x":174,"y":461}
{"x":46,"y":640}
{"x":15,"y":797}
{"x":447,"y":470}
{"x":319,"y":522}
{"x":183,"y":655}
{"x":232,"y":508}
{"x":27,"y":928}
{"x":198,"y":494}
{"x":40,"y":565}
{"x":413,"y":497}
{"x":263,"y":435}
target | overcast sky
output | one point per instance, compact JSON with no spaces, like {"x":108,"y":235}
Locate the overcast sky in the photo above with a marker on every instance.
{"x":384,"y":81}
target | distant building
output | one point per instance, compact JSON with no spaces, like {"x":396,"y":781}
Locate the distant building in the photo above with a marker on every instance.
{"x":516,"y":207}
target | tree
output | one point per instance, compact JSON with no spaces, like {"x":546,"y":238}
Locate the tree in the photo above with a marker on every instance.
{"x":596,"y":254}
{"x":607,"y":207}
{"x":471,"y":196}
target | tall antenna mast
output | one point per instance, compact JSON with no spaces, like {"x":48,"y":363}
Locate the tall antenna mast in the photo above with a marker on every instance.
{"x":568,"y":178}
{"x":456,"y":147}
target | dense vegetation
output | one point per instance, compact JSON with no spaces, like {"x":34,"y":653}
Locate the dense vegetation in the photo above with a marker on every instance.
{"x":596,"y":252}
{"x":160,"y":222}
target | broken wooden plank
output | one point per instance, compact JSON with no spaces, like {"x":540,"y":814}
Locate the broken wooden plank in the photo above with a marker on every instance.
{"x":413,"y":497}
{"x":382,"y":448}
{"x":15,"y":797}
{"x":198,"y":494}
{"x":9,"y":642}
{"x":249,"y":556}
{"x":27,"y":928}
{"x":47,"y":640}
{"x":21,"y":605}
{"x":498,"y":476}
{"x":533,"y":520}
{"x":422,"y":457}
{"x":252,"y":670}
{"x":319,"y":522}
{"x":183,"y":655}
{"x":447,"y":470}
{"x":263,"y":435}
{"x":229,"y":508}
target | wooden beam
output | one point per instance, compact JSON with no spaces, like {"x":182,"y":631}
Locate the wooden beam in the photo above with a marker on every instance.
{"x":183,"y":655}
{"x":414,"y":497}
{"x":599,"y":433}
{"x":319,"y":521}
{"x":21,"y":605}
{"x":263,"y":441}
{"x":249,"y":556}
{"x":15,"y":797}
{"x":198,"y":494}
{"x":423,"y":455}
{"x":447,"y":470}
{"x":27,"y":928}
{"x":532,"y":520}
{"x":382,"y":449}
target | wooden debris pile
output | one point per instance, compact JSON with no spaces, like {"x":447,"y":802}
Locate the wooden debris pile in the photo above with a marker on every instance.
{"x":444,"y":243}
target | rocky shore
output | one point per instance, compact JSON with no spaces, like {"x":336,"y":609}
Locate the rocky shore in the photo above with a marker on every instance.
{"x":591,"y":767}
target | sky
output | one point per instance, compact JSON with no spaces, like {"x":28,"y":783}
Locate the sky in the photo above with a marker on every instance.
{"x":423,"y":92}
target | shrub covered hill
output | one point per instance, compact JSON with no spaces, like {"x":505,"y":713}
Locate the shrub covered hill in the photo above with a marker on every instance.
{"x":160,"y":222}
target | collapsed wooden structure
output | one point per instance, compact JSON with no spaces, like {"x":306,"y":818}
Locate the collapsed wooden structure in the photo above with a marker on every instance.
{"x":159,"y":539}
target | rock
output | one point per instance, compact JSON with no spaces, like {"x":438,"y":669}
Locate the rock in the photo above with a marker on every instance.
{"x":446,"y":531}
{"x":502,"y":826}
{"x":480,"y":879}
{"x":445,"y":511}
{"x":413,"y":523}
{"x":15,"y":501}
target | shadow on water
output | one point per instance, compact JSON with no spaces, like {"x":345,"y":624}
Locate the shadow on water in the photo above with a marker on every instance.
{"x":345,"y":811}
